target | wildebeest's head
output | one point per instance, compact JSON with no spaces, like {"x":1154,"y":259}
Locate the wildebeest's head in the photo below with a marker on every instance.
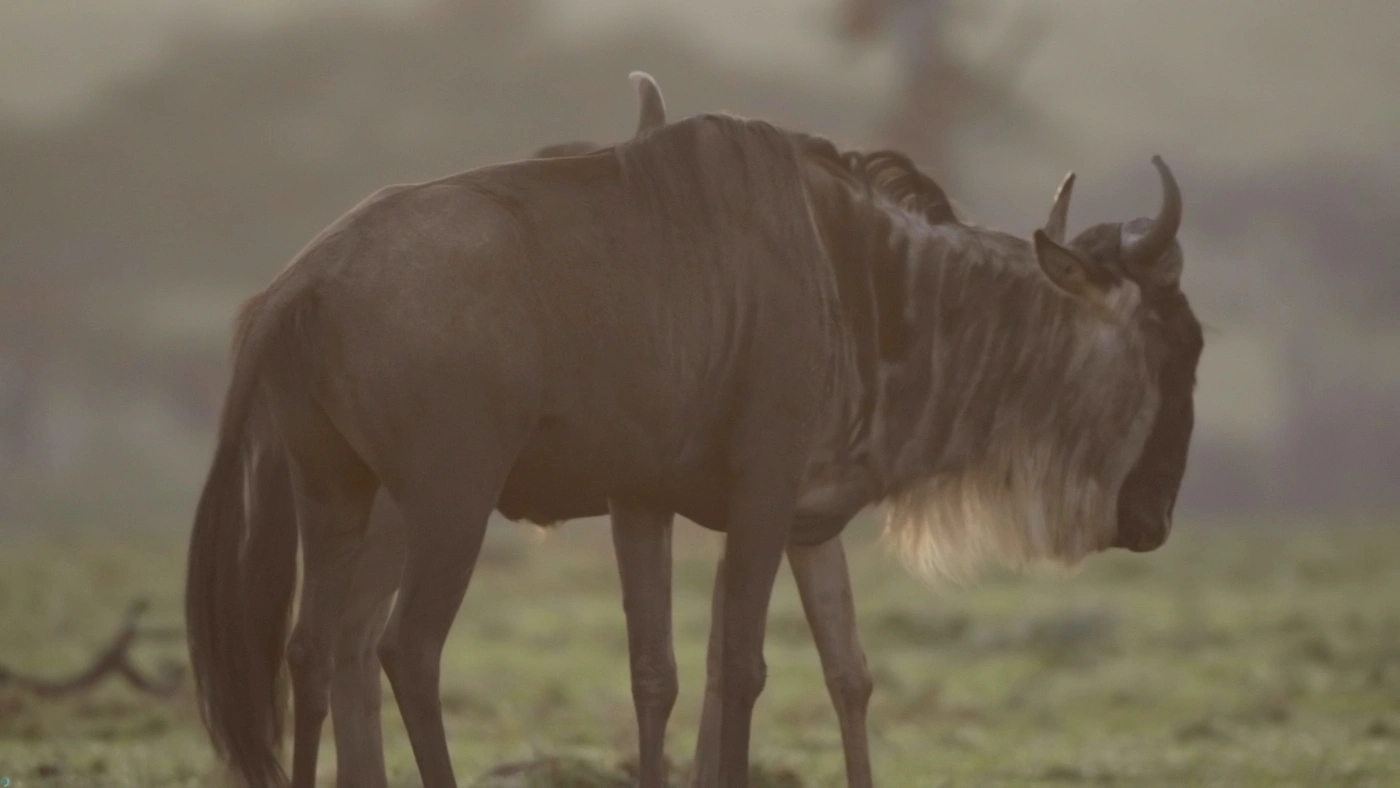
{"x":1038,"y":406}
{"x":1145,"y":253}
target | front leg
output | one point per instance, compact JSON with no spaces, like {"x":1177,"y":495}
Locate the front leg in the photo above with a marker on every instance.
{"x":762,"y":508}
{"x":642,"y":542}
{"x":769,"y":450}
{"x":824,"y":584}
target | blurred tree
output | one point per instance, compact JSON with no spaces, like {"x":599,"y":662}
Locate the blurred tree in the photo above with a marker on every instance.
{"x":939,"y":90}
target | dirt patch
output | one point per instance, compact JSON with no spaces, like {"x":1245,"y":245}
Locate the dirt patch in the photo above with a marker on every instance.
{"x":575,"y":772}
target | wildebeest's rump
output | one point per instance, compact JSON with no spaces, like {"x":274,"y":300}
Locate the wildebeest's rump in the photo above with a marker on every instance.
{"x":721,"y":319}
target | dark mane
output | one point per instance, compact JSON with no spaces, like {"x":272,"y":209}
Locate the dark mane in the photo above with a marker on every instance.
{"x":888,"y":173}
{"x":706,"y":140}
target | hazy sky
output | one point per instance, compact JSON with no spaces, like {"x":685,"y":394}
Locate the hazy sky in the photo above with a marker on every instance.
{"x":1258,"y":79}
{"x":53,"y":53}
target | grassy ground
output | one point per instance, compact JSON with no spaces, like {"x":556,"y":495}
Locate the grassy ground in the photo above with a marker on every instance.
{"x":1234,"y":657}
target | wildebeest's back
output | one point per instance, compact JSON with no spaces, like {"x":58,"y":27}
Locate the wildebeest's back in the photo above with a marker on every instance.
{"x":620,"y":300}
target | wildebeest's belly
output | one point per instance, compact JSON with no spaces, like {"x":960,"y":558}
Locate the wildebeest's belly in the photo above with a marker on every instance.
{"x":545,"y":498}
{"x":547,"y":488}
{"x":555,"y":479}
{"x":566,"y":474}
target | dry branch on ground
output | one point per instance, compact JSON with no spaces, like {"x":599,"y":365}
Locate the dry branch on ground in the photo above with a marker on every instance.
{"x":115,"y":658}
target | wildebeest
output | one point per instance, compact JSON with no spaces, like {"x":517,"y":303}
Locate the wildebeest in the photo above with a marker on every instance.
{"x":721,"y":319}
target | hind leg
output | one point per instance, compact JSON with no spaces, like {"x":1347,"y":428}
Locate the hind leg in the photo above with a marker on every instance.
{"x":446,"y":495}
{"x":355,"y":689}
{"x":334,"y":491}
{"x":356,"y":703}
{"x":704,"y":767}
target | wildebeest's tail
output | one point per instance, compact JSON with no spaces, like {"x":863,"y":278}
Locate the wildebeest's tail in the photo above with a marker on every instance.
{"x":242,"y":570}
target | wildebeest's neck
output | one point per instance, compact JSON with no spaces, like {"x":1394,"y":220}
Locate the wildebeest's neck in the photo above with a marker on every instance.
{"x":863,"y":206}
{"x":1010,"y":408}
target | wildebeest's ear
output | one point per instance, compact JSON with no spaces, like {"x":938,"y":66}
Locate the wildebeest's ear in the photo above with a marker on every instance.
{"x":1069,"y":270}
{"x":653,"y":111}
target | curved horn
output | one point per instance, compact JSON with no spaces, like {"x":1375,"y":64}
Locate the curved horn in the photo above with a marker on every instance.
{"x":653,"y":112}
{"x":1059,"y":212}
{"x":1143,"y":250}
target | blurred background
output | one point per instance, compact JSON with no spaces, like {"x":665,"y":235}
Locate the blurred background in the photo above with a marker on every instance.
{"x":160,"y":160}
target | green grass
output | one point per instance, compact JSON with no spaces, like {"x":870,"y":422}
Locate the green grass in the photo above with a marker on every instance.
{"x":1234,"y":657}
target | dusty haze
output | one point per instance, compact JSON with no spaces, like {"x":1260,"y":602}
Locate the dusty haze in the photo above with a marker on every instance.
{"x":164,"y":158}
